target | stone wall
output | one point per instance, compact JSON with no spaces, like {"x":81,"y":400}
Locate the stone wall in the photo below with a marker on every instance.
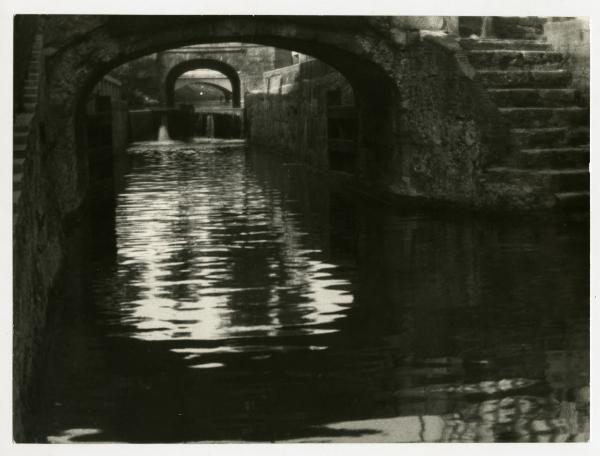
{"x":38,"y":240}
{"x":81,"y":49}
{"x":143,"y":125}
{"x":572,"y":38}
{"x":105,"y":104}
{"x":41,"y":232}
{"x":107,"y":127}
{"x":291,"y":115}
{"x":138,"y":78}
{"x":259,"y":60}
{"x":450,"y":131}
{"x":250,"y":61}
{"x":446,"y":129}
{"x":425,"y":128}
{"x":120,"y":126}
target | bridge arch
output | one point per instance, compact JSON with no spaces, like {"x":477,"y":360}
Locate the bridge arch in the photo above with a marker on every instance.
{"x":197,"y":64}
{"x":372,"y":53}
{"x":414,"y":107}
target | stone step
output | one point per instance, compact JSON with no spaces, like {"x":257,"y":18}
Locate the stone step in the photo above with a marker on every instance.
{"x":489,"y":44}
{"x":20,"y":128}
{"x":546,"y":117}
{"x":22,"y":120}
{"x":17,"y":181}
{"x":30,"y":97}
{"x":534,"y":97}
{"x":502,"y":59}
{"x":29,"y":107}
{"x":20,"y":137}
{"x":558,"y":158}
{"x":524,"y":79}
{"x":18,"y":165}
{"x":569,"y":180}
{"x":564,"y":180}
{"x":550,"y":137}
{"x":573,"y":200}
{"x":19,"y":150}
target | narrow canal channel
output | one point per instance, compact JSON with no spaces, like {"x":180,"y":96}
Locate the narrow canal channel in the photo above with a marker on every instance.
{"x":235,"y":296}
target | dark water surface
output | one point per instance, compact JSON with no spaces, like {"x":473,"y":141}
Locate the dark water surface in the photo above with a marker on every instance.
{"x":234,"y":297}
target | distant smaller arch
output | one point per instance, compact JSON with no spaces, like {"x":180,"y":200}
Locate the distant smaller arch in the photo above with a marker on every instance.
{"x":209,"y":64}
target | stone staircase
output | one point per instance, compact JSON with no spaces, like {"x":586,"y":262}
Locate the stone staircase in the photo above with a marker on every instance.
{"x":24,"y":120}
{"x":548,"y":120}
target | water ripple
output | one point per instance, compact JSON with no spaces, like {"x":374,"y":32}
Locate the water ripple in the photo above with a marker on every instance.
{"x":214,"y":254}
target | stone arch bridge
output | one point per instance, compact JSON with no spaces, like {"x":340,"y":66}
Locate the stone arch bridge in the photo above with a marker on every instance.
{"x":427,"y":127}
{"x":245,"y":62}
{"x":479,"y":124}
{"x":167,"y":83}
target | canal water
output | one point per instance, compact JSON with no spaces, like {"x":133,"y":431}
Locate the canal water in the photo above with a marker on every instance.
{"x":231,"y":295}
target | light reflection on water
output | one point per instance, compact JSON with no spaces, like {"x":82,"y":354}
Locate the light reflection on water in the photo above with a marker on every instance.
{"x":190,"y":244}
{"x":244,"y":299}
